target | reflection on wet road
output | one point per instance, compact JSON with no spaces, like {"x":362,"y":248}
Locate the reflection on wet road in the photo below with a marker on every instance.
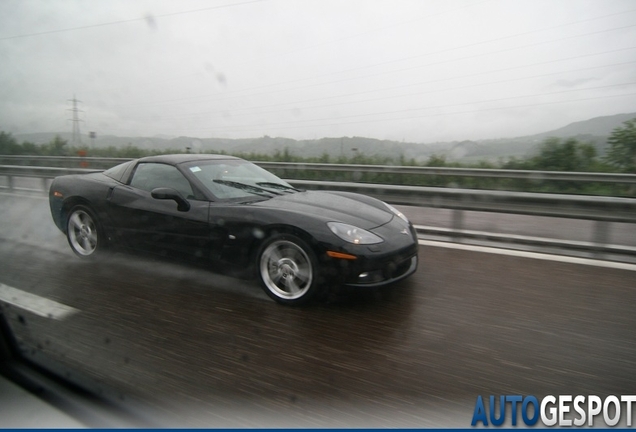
{"x":203,"y":349}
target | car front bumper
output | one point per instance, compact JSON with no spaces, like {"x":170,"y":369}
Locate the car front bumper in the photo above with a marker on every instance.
{"x":381,"y":264}
{"x":386,"y":275}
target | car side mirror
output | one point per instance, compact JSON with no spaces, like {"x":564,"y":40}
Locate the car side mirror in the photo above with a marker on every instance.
{"x":171,"y":194}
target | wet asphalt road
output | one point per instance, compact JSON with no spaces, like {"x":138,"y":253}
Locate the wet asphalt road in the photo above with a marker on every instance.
{"x":196,"y":348}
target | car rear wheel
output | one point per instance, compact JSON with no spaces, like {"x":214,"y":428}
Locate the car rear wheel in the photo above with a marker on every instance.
{"x":287,"y":270}
{"x":83,"y":233}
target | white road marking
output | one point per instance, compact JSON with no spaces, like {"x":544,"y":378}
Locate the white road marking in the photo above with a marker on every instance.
{"x":531,"y":255}
{"x":33,"y":303}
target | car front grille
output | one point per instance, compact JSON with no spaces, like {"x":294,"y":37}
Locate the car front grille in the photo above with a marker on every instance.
{"x":396,"y":269}
{"x":386,"y":273}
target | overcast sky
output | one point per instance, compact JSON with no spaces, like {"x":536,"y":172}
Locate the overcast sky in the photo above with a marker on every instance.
{"x":419,"y":71}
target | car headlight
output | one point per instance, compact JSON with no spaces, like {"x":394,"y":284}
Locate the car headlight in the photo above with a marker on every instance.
{"x":397,"y":212}
{"x":352,"y":234}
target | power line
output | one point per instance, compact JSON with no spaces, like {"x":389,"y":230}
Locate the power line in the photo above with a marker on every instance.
{"x":404,"y":58}
{"x":479,"y":110}
{"x":145,"y":18}
{"x":476,"y":111}
{"x":242,"y":127}
{"x":427,"y":82}
{"x":451,"y":60}
{"x":333,"y":41}
{"x":193,"y":115}
{"x":376,"y":64}
{"x":190,"y":98}
{"x":471,"y":45}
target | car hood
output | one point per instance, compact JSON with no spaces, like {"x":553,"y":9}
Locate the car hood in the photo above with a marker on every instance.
{"x":331,"y":207}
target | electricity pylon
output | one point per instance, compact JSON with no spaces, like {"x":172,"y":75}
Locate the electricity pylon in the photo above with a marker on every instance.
{"x":77,"y":137}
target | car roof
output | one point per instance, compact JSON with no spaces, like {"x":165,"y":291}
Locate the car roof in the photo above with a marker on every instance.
{"x":175,"y":159}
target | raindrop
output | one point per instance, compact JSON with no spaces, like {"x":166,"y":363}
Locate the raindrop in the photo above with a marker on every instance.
{"x":258,"y":233}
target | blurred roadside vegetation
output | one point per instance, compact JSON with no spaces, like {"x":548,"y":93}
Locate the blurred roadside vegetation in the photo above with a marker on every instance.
{"x":554,"y":154}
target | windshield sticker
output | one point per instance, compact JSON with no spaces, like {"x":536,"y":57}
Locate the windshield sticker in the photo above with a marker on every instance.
{"x":195,"y":169}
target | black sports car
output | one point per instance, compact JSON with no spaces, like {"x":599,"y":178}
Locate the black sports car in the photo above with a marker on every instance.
{"x":225,"y":210}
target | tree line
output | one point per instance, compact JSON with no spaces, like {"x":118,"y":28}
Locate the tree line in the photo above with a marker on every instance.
{"x":555,"y":154}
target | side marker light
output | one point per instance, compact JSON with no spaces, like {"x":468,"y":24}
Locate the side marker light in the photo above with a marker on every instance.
{"x":341,"y":255}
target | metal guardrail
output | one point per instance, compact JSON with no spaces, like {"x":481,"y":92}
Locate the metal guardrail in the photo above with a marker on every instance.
{"x":42,"y":173}
{"x":602,"y":210}
{"x":66,"y":161}
{"x":609,"y":209}
{"x":530,"y":175}
{"x":458,"y":172}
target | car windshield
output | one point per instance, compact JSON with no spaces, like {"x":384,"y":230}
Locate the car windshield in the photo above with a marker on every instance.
{"x":232,"y":179}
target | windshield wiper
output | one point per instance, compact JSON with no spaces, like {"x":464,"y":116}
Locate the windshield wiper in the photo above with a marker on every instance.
{"x":248,"y":188}
{"x":279,"y":186}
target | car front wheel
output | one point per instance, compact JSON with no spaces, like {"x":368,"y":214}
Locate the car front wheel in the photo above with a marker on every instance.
{"x":83,"y":233}
{"x":287,"y":270}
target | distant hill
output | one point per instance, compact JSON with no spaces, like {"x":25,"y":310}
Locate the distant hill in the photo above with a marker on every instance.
{"x":595,"y":131}
{"x":598,"y":126}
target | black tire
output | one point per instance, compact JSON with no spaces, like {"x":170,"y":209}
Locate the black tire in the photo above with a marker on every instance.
{"x":84,"y":233}
{"x":287,"y":269}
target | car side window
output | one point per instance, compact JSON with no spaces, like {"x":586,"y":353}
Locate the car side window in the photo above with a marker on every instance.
{"x":149,"y":176}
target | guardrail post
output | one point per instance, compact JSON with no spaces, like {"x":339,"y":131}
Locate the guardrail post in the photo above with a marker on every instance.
{"x":44,"y":183}
{"x":10,"y":182}
{"x":601,"y":236}
{"x":458,"y":224}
